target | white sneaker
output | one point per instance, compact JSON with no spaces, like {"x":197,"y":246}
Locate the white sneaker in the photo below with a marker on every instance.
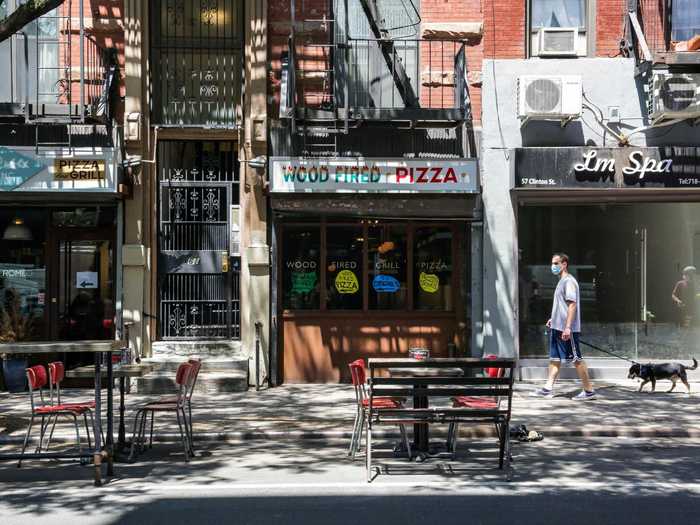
{"x":584,"y":395}
{"x":542,"y":392}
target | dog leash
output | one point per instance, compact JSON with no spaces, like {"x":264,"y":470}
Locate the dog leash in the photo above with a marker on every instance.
{"x":608,"y":352}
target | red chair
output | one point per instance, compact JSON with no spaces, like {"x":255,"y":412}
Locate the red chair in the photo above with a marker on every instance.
{"x":184,"y":380}
{"x":57,"y":372}
{"x":475,"y":402}
{"x":359,"y":380}
{"x":194,"y":374}
{"x":37,"y":380}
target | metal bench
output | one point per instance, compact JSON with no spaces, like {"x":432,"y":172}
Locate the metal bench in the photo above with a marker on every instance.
{"x":473,"y":399}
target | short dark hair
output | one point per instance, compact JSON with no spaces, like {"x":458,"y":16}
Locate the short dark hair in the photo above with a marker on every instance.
{"x":562,"y":258}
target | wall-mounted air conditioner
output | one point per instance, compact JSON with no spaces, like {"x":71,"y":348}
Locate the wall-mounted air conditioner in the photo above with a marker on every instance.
{"x":557,"y":42}
{"x":549,"y":97}
{"x":674,"y":96}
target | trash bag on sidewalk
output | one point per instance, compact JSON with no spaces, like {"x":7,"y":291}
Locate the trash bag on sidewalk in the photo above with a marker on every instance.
{"x":522,"y":434}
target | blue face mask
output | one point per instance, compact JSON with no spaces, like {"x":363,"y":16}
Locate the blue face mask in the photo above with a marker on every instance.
{"x":556,"y":269}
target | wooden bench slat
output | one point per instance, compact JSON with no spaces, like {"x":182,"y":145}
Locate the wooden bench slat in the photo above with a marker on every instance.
{"x":441,"y":392}
{"x":379,"y":363}
{"x":440,"y":380}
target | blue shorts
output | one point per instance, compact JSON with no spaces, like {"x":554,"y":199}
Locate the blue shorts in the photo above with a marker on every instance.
{"x":564,"y":351}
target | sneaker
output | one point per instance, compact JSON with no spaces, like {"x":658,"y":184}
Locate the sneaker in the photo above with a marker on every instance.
{"x":584,"y":395}
{"x":542,"y":392}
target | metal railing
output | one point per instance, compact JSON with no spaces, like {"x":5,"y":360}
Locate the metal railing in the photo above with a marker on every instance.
{"x":54,"y":70}
{"x":381,"y":75}
{"x":392,"y":74}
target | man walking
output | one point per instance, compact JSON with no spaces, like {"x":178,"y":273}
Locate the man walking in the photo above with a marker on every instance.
{"x":565,"y":329}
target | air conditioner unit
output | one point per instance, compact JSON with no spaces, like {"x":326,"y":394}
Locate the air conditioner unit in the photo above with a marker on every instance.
{"x":557,"y":41}
{"x":549,"y":97}
{"x":675,"y":96}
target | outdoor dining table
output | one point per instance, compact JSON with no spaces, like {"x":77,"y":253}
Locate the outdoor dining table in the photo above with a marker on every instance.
{"x":122,"y":372}
{"x":99,"y":349}
{"x":421,"y":431}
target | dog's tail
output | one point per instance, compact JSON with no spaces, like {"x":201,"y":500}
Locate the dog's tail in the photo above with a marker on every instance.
{"x":695,"y":365}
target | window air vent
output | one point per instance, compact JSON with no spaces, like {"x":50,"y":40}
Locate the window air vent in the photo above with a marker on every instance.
{"x":558,"y":41}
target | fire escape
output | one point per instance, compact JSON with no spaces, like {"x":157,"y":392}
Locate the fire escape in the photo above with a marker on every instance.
{"x":56,"y":77}
{"x":664,"y":38}
{"x":361,"y":63}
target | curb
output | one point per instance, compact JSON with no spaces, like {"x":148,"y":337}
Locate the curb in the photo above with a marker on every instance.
{"x":332,"y":435}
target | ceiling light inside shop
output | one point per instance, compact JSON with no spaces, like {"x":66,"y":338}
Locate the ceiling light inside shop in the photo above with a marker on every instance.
{"x":17,"y":231}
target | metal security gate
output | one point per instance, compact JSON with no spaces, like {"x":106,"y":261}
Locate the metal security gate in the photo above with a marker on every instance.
{"x":198,"y":266}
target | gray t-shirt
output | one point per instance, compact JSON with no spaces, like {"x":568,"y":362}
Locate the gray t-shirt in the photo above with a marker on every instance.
{"x":567,"y":290}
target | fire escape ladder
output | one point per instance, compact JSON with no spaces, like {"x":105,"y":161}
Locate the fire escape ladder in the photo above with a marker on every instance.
{"x":309,"y":97}
{"x":388,"y":50}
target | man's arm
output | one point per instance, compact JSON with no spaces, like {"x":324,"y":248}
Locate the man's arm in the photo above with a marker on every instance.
{"x":570,"y":316}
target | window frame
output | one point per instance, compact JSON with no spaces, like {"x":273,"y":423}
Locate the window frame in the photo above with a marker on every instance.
{"x":409,"y":309}
{"x":588,"y":31}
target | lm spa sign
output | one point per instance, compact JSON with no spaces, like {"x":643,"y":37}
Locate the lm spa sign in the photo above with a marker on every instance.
{"x":637,"y":166}
{"x":579,"y":167}
{"x":371,"y":175}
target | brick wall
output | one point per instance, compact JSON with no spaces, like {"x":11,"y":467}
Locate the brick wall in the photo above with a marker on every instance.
{"x":453,"y":11}
{"x":609,"y":26}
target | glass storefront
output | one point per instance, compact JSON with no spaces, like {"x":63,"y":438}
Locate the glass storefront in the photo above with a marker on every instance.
{"x":637,"y":267}
{"x":23,"y":280}
{"x":57,"y":273}
{"x":385,"y":265}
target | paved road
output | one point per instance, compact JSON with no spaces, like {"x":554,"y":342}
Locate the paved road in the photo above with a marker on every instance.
{"x":591,"y":481}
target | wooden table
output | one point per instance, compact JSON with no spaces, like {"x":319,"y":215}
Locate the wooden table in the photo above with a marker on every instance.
{"x":421,"y":431}
{"x":99,"y":349}
{"x":121,"y":372}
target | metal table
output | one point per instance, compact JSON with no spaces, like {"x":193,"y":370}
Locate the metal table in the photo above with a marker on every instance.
{"x":120,"y":372}
{"x":100,"y":349}
{"x":421,"y":431}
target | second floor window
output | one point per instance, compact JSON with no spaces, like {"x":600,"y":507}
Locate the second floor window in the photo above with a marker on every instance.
{"x":558,"y":28}
{"x":685,"y":20}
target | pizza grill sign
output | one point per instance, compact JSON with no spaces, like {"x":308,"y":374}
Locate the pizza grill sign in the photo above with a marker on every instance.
{"x":292,"y":175}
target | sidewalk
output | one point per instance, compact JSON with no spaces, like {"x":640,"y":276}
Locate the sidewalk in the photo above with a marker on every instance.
{"x":327,"y":412}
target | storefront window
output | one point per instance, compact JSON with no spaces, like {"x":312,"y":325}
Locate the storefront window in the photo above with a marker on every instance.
{"x":432,"y":268}
{"x":387,"y":266}
{"x":301,"y":266}
{"x":22,"y":275}
{"x":344,"y":288}
{"x":637,"y":268}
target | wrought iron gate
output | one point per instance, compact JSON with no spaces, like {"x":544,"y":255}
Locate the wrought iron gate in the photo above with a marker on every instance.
{"x":198,"y":276}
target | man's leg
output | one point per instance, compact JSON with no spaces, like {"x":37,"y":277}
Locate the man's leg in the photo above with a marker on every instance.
{"x":579,"y":363}
{"x":554,"y":369}
{"x":582,"y":371}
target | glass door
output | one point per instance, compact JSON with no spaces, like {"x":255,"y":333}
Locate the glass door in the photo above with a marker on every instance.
{"x":83,"y":298}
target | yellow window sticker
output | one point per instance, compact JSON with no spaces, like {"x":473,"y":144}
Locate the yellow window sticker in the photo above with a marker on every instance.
{"x":346,"y":282}
{"x":429,"y":282}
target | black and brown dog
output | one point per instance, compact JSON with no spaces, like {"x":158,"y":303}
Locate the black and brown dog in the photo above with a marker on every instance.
{"x":654,"y":372}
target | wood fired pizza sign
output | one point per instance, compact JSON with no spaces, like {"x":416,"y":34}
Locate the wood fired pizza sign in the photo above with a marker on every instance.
{"x":79,"y":169}
{"x":291,"y":175}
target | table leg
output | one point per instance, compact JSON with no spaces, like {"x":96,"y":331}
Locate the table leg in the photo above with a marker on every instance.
{"x":110,"y":415}
{"x":121,"y":438}
{"x":421,"y":430}
{"x":97,"y":453}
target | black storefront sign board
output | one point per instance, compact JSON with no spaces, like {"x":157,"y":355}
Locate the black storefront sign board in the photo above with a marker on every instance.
{"x":592,"y":168}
